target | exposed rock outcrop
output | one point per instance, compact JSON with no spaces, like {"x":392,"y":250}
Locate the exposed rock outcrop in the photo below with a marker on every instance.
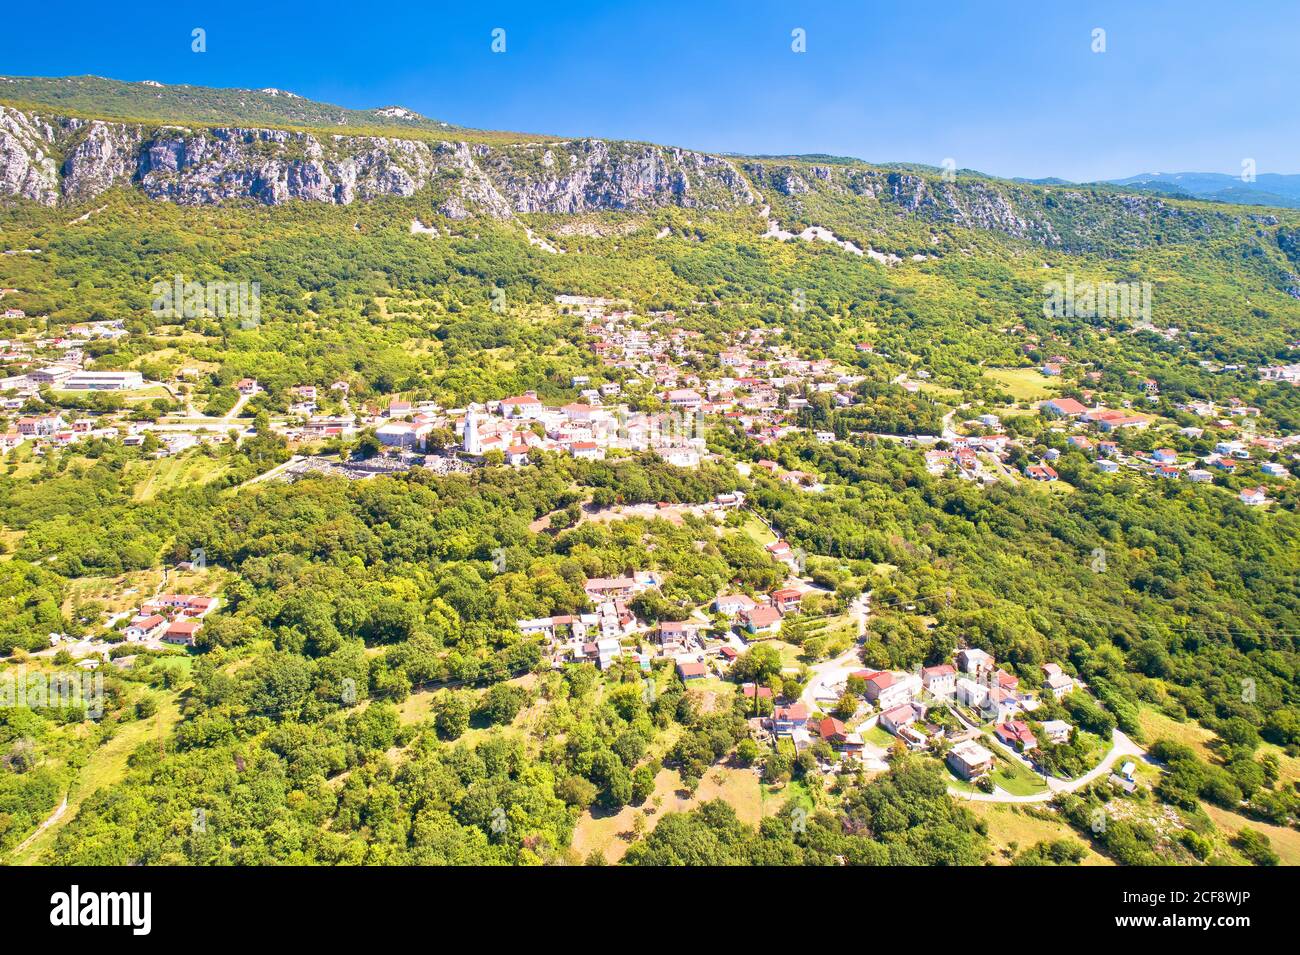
{"x":273,"y":166}
{"x":27,"y":168}
{"x":51,"y":160}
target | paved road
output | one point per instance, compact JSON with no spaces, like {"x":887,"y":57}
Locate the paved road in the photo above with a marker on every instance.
{"x":1123,"y":746}
{"x":837,"y":669}
{"x":233,"y":413}
{"x":275,"y":471}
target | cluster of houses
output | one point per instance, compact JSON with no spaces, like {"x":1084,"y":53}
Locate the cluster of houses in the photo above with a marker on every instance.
{"x":58,"y":362}
{"x":900,"y":703}
{"x":966,"y":455}
{"x":756,"y":384}
{"x":1229,"y":456}
{"x":761,"y":616}
{"x":169,"y":618}
{"x":596,"y":636}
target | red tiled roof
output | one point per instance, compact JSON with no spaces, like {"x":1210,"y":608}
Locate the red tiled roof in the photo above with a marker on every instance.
{"x":830,"y":728}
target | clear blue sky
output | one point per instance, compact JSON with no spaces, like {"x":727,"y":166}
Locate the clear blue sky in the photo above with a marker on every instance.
{"x":1011,"y":88}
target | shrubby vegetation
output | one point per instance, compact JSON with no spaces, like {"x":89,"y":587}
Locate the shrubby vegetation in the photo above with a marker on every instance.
{"x":363,"y":695}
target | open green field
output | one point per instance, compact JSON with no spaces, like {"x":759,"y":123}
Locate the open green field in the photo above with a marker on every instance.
{"x":757,"y":530}
{"x":131,"y":394}
{"x":1285,"y":840}
{"x":1024,"y":384}
{"x":163,"y":474}
{"x":104,"y":767}
{"x":1012,"y":829}
{"x":878,"y":736}
{"x":1155,"y":725}
{"x":611,"y":834}
{"x":1012,"y":776}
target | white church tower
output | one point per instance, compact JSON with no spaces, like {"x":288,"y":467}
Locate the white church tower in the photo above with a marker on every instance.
{"x":470,"y":442}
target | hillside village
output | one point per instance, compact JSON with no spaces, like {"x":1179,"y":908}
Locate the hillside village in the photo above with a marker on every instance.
{"x":655,"y":387}
{"x":642,"y":553}
{"x":991,"y":736}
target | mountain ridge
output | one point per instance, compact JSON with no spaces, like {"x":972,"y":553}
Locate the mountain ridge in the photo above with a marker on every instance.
{"x":51,"y":157}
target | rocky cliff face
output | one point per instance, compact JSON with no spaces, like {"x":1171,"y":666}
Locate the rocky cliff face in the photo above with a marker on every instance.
{"x":591,"y":175}
{"x":27,"y":165}
{"x":54,"y":160}
{"x":1069,"y":218}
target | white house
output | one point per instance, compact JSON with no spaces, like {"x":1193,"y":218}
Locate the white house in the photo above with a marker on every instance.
{"x":729,"y":605}
{"x":974,"y":661}
{"x":970,"y":693}
{"x":1057,"y":731}
{"x":940,"y":680}
{"x":970,"y":760}
{"x":1056,"y":681}
{"x":144,"y":626}
{"x":1254,"y":496}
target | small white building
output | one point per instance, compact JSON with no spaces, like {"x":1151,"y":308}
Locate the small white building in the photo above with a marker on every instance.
{"x":972,"y":694}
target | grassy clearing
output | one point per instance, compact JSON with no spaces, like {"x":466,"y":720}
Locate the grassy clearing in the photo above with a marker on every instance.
{"x":1155,"y":725}
{"x":878,"y":736}
{"x":1286,"y":841}
{"x":114,"y":594}
{"x":757,"y":530}
{"x":790,"y":654}
{"x":163,"y":474}
{"x":611,"y":833}
{"x":1012,"y":776}
{"x":106,"y":766}
{"x":1024,"y":384}
{"x":1010,"y":826}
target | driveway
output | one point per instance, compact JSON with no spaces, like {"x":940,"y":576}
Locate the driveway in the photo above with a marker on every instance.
{"x":836,"y":670}
{"x":1122,"y":747}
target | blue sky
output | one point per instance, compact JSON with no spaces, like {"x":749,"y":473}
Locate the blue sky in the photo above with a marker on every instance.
{"x":1010,"y":88}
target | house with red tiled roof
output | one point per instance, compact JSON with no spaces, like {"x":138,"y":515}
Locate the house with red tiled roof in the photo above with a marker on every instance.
{"x":836,"y":733}
{"x":1016,"y":734}
{"x":144,"y":626}
{"x":1006,"y":681}
{"x":940,"y":680}
{"x":587,"y":451}
{"x":786,"y":599}
{"x":1254,"y":496}
{"x":182,"y":631}
{"x":832,"y":730}
{"x":191,"y":604}
{"x":1063,"y":408}
{"x":892,"y":720}
{"x":764,"y":620}
{"x":787,"y":719}
{"x":526,"y":405}
{"x":692,"y":670}
{"x":888,"y":690}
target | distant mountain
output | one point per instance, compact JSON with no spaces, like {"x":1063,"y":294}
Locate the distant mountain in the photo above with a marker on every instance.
{"x":1267,"y":189}
{"x":67,"y":141}
{"x":149,"y":100}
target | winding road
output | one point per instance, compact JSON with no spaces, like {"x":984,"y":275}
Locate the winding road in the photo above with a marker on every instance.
{"x":837,"y":669}
{"x":1122,"y":746}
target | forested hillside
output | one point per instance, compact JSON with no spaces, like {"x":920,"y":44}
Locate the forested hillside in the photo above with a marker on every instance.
{"x":364,"y":694}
